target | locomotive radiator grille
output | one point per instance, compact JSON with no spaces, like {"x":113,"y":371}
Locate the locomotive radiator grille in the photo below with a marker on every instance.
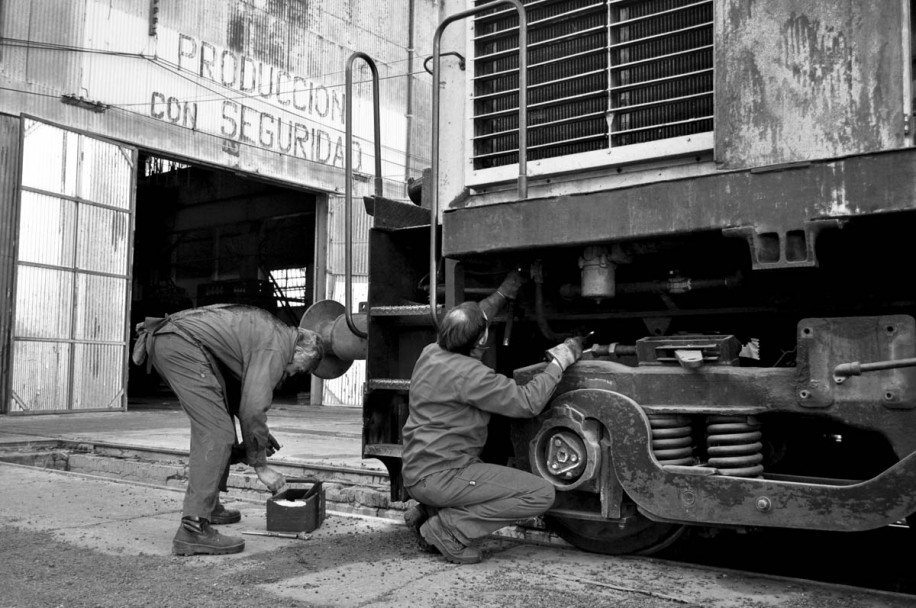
{"x":661,"y":69}
{"x":644,"y":67}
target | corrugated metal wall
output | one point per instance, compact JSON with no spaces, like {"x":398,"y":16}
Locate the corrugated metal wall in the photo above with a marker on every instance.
{"x":348,"y":389}
{"x":9,"y":221}
{"x":69,"y":338}
{"x":250,"y":85}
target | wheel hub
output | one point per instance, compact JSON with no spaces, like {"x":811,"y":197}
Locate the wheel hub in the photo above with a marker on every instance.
{"x":565,"y":451}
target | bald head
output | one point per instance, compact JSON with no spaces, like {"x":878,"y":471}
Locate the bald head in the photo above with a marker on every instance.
{"x":461,"y":327}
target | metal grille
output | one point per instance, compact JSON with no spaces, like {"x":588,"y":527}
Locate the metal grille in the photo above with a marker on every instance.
{"x":661,"y":69}
{"x":642,"y":66}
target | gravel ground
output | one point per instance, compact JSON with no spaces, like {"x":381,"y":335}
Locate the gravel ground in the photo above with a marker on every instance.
{"x":74,"y":542}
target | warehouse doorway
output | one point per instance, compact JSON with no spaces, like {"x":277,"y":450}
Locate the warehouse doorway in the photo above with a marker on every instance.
{"x":206,"y":236}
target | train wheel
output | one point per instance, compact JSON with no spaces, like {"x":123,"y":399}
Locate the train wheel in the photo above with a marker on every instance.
{"x":641,"y":536}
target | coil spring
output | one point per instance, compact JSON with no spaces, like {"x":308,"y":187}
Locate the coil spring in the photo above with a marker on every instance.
{"x":734,"y":446}
{"x":672,"y":440}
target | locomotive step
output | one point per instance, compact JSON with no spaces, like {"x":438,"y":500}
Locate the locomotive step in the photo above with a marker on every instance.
{"x":389,"y":384}
{"x":408,"y":310}
{"x":383,"y":449}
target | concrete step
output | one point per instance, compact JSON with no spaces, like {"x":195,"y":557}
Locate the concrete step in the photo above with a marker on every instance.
{"x":347,"y":489}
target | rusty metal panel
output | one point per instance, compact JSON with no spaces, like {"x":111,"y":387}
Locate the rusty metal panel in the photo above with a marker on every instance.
{"x":807,"y":79}
{"x":105,"y":174}
{"x":9,"y":222}
{"x":99,"y":308}
{"x":41,"y":375}
{"x":44,"y":304}
{"x":98,"y":376}
{"x":49,"y":223}
{"x":825,"y":343}
{"x":776,"y":201}
{"x":250,"y":85}
{"x":347,"y":389}
{"x":362,"y":222}
{"x":104,"y":240}
{"x":47,"y":26}
{"x":49,"y":158}
{"x":72,"y":276}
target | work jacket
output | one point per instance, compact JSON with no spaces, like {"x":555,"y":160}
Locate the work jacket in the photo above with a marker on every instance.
{"x":451,"y":399}
{"x":247,"y":344}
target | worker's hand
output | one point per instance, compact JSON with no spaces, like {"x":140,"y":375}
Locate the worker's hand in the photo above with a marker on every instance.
{"x":271,"y":478}
{"x":567,"y":353}
{"x":511,"y":284}
{"x":272,"y":445}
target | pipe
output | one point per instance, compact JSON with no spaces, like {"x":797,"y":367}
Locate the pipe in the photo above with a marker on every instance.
{"x":348,"y":176}
{"x":845,"y":370}
{"x":537,"y":274}
{"x":411,"y":16}
{"x":522,"y":128}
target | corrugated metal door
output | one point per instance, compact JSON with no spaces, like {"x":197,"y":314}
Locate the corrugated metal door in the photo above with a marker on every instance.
{"x":70,"y":323}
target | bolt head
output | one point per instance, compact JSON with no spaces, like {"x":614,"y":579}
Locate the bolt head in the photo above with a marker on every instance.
{"x":763,"y":504}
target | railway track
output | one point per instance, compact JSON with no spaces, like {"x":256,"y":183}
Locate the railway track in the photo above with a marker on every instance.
{"x":880,"y":562}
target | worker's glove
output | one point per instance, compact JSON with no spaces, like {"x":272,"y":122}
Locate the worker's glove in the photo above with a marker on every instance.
{"x":238,"y":454}
{"x":272,"y":445}
{"x":566,"y":354}
{"x":511,"y":284}
{"x":239,"y":451}
{"x":271,"y":478}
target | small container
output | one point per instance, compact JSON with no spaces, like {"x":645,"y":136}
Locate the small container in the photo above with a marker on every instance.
{"x":305,"y":515}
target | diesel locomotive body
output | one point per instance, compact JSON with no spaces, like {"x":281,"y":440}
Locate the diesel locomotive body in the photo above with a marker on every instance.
{"x":724,"y":192}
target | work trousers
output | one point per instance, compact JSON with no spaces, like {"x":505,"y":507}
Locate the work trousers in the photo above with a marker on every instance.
{"x":189,"y":373}
{"x":481,"y":498}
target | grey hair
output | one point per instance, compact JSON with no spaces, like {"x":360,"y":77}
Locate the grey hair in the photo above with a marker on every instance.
{"x":309,"y":344}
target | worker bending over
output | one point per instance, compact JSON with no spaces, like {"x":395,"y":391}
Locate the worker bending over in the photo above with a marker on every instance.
{"x":224,"y":361}
{"x":452,"y":395}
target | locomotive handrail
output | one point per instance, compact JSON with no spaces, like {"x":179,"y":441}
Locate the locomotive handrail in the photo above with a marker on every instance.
{"x":348,"y":169}
{"x":522,"y":128}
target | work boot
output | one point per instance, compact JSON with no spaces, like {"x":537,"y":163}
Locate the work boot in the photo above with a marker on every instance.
{"x":197,"y":536}
{"x":221,"y":515}
{"x":415,"y":517}
{"x":451,"y":548}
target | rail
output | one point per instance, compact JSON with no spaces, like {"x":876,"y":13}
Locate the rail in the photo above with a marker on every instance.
{"x":522,"y":129}
{"x":348,"y":168}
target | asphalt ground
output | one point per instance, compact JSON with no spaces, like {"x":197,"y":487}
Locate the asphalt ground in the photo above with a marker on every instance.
{"x":107,"y":524}
{"x":120,"y":534}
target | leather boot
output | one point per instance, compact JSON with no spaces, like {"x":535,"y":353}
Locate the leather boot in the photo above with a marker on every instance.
{"x":415,"y":517}
{"x":451,"y":548}
{"x":221,"y":515}
{"x":196,"y":536}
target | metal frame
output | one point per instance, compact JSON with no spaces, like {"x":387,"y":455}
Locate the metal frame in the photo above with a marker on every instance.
{"x":130,"y":153}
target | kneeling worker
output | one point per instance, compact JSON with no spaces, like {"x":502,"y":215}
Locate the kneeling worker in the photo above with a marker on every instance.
{"x":224,"y":361}
{"x":452,"y":395}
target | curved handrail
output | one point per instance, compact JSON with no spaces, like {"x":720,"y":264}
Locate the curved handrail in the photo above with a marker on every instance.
{"x":522,"y":128}
{"x":348,"y":168}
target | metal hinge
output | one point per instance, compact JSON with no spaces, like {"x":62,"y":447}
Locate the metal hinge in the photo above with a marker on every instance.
{"x":906,"y":123}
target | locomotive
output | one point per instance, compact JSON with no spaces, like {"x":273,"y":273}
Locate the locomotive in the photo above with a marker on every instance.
{"x":720,"y":193}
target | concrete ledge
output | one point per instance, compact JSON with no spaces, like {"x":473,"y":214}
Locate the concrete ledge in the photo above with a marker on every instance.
{"x":346,"y":490}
